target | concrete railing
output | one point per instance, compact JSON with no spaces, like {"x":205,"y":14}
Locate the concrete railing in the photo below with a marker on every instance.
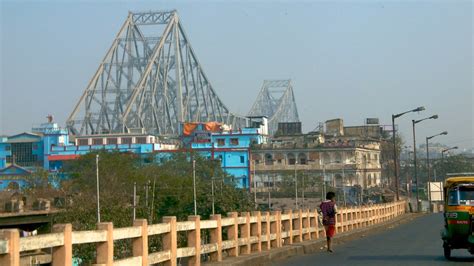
{"x":244,"y":234}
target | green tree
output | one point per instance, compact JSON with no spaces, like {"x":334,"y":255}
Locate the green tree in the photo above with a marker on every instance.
{"x":451,"y":164}
{"x":386,"y":155}
{"x":169,"y":188}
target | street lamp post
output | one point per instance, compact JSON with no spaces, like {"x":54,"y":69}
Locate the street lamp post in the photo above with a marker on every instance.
{"x":414,"y":122}
{"x":442,"y":156}
{"x":428,"y":162}
{"x":445,"y":150}
{"x":428,"y":154}
{"x":421,"y":108}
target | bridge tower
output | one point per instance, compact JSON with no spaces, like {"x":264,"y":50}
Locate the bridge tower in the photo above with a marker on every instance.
{"x":276,"y":101}
{"x":149,"y":81}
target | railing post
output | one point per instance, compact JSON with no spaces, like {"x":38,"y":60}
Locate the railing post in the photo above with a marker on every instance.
{"x":12,"y":258}
{"x":341,"y":221}
{"x":306,"y":226}
{"x":245,"y":233}
{"x":314,"y":223}
{"x":299,"y":227}
{"x":359,"y":214}
{"x":275,"y":228}
{"x":256,"y":230}
{"x":194,"y":240}
{"x":105,"y":250}
{"x":62,"y":255}
{"x":267,"y":228}
{"x":140,"y":244}
{"x":216,"y":237}
{"x":170,"y":240}
{"x":288,"y":225}
{"x":233,"y":234}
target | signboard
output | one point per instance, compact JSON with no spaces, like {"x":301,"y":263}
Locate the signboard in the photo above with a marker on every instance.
{"x":372,"y":121}
{"x":436,"y":191}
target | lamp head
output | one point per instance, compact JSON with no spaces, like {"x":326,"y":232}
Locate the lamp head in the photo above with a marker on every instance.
{"x":419,"y":109}
{"x":444,"y":133}
{"x":434,"y":117}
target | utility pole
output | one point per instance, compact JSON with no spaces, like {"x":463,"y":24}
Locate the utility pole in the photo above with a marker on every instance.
{"x":324,"y":182}
{"x":296,"y":187}
{"x":97,"y":177}
{"x":146,"y":193}
{"x":134,"y":200}
{"x":194,"y":186}
{"x":152,"y":211}
{"x":269,"y":200}
{"x":254,"y":186}
{"x":212,"y":191}
{"x":302,"y":192}
{"x":343,"y":180}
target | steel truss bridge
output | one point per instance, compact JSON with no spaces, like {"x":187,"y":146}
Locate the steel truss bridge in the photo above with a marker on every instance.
{"x":150,"y":81}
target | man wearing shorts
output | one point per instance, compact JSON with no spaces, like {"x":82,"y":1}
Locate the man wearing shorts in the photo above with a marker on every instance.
{"x":329,"y":210}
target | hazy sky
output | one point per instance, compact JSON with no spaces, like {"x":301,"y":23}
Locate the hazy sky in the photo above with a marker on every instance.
{"x":347,"y":59}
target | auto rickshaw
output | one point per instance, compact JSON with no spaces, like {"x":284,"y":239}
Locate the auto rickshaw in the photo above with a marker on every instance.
{"x":458,"y":232}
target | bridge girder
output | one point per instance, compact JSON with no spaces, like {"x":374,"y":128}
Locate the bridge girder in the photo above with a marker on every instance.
{"x":150,"y":80}
{"x":276,"y":100}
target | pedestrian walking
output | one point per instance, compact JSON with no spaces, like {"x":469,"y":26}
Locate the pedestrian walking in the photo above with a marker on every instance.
{"x":329,"y":210}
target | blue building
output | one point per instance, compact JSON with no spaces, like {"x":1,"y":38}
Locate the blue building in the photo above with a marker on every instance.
{"x":48,"y":147}
{"x":231,"y":147}
{"x":22,"y":154}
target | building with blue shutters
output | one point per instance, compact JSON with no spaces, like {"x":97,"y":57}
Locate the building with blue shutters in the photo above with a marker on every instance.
{"x":48,"y":147}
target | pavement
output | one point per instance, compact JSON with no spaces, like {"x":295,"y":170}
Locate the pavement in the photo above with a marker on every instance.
{"x":415,"y":243}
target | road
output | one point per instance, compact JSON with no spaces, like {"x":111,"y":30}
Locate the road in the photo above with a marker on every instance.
{"x":415,"y":243}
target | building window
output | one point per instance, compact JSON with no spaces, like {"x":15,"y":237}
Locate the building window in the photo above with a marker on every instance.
{"x":291,"y":159}
{"x":242,"y":159}
{"x":234,"y":141}
{"x":127,"y":140}
{"x":83,"y":142}
{"x":140,"y":140}
{"x":279,"y":161}
{"x":7,"y":148}
{"x":23,"y":154}
{"x":302,"y":158}
{"x":112,"y":141}
{"x":220,"y":142}
{"x":268,"y":159}
{"x":97,"y":142}
{"x":376,"y":156}
{"x":220,"y":157}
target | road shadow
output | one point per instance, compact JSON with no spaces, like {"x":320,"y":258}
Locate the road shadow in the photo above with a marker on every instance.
{"x":411,"y":258}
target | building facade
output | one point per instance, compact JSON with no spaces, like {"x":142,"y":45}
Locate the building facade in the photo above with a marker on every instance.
{"x":337,"y":158}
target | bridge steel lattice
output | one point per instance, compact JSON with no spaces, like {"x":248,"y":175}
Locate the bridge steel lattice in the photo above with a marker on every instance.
{"x":149,"y":81}
{"x":276,"y":100}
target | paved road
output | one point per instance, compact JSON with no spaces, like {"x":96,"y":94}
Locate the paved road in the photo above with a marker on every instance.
{"x":415,"y":243}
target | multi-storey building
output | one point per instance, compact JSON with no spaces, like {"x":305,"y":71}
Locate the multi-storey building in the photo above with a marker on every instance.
{"x":231,"y":147}
{"x":330,"y":155}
